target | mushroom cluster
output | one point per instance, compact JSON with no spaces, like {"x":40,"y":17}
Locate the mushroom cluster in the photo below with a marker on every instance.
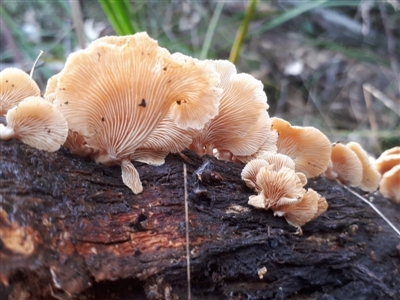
{"x":351,"y":165}
{"x":388,"y":165}
{"x":281,"y":188}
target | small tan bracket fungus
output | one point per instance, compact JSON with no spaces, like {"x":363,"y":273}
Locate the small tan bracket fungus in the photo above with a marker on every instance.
{"x":345,"y":166}
{"x":389,"y":185}
{"x":15,"y":86}
{"x":250,"y":171}
{"x":297,"y":214}
{"x":36,"y":122}
{"x":277,"y":188}
{"x":371,"y":176}
{"x":117,"y":91}
{"x":386,"y":162}
{"x":307,"y":146}
{"x":243,"y":101}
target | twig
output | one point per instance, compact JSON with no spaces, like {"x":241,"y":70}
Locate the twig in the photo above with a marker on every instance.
{"x":78,"y":22}
{"x":187,"y":230}
{"x":35,"y":63}
{"x":372,"y":120}
{"x":211,"y":29}
{"x":374,"y":208}
{"x":389,"y":103}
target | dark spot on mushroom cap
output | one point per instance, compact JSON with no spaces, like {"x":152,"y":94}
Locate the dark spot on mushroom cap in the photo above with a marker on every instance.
{"x":12,"y":85}
{"x":48,"y":131}
{"x":178,"y":102}
{"x":165,"y":68}
{"x":102,"y":118}
{"x":143,"y":103}
{"x":6,"y":80}
{"x":66,"y":102}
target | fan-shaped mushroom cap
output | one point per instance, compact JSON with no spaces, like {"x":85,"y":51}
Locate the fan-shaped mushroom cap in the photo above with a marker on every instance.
{"x":307,"y":146}
{"x":386,"y":162}
{"x":15,"y":86}
{"x":371,"y":177}
{"x":394,"y":150}
{"x":36,"y":122}
{"x":242,"y":103}
{"x":311,"y":205}
{"x":250,"y":171}
{"x":345,"y":166}
{"x":279,"y":160}
{"x":389,"y":185}
{"x":116,"y":94}
{"x":277,"y":187}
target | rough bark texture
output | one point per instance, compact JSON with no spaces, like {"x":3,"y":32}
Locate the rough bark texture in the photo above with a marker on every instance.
{"x":71,"y":229}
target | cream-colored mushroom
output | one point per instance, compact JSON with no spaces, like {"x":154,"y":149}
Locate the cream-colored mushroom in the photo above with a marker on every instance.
{"x":15,"y":86}
{"x":36,"y":122}
{"x":389,"y":185}
{"x":117,"y":91}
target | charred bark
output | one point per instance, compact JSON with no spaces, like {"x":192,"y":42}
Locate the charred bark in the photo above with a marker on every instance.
{"x":71,"y":229}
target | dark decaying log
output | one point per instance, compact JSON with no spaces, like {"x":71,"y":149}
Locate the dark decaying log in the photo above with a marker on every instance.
{"x":71,"y":229}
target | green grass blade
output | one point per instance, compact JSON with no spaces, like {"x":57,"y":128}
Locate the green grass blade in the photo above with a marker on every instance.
{"x":117,"y":13}
{"x":211,"y":30}
{"x":108,"y":10}
{"x":241,"y":34}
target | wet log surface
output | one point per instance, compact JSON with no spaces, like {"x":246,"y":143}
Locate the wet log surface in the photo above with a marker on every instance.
{"x":71,"y":229}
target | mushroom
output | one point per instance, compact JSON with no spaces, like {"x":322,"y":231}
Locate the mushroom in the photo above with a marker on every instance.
{"x":393,"y":150}
{"x":307,"y":146}
{"x":51,"y":88}
{"x":389,"y":185}
{"x":386,"y":162}
{"x":345,"y":166}
{"x":370,"y":175}
{"x":117,"y":91}
{"x":36,"y":122}
{"x":243,"y":101}
{"x":15,"y":86}
{"x":250,"y":171}
{"x":277,"y":187}
{"x":297,"y":214}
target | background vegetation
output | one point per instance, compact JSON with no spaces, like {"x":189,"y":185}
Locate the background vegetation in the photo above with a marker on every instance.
{"x":332,"y":64}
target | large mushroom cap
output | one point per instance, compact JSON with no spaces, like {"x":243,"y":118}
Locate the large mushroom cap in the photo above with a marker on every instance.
{"x":38,"y":123}
{"x":307,"y":146}
{"x":115,"y":94}
{"x":15,"y":86}
{"x":371,"y":176}
{"x":345,"y":166}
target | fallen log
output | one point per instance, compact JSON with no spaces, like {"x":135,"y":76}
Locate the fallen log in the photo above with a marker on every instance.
{"x":70,"y":229}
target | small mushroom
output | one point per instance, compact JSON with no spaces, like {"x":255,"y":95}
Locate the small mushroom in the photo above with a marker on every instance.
{"x":117,"y":91}
{"x":250,"y":171}
{"x":297,"y":214}
{"x":389,"y":185}
{"x":370,"y":175}
{"x":345,"y":166}
{"x":51,"y":88}
{"x":307,"y":146}
{"x":15,"y":86}
{"x":277,"y":188}
{"x":36,"y":122}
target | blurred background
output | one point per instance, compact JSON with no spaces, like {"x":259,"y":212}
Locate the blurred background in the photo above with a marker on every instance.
{"x":331,"y":64}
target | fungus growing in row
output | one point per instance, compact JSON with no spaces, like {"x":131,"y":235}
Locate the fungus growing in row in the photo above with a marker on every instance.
{"x":15,"y":86}
{"x":243,"y":101}
{"x":389,"y":185}
{"x":36,"y":122}
{"x":307,"y":146}
{"x":345,"y":166}
{"x":117,"y":91}
{"x":370,"y":176}
{"x":297,"y":214}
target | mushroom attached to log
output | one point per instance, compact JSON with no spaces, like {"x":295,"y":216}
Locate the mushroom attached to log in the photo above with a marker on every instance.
{"x":345,"y":166}
{"x":243,"y":102}
{"x":117,"y":91}
{"x":36,"y":122}
{"x":307,"y":146}
{"x":389,"y":185}
{"x":15,"y":86}
{"x":370,"y":176}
